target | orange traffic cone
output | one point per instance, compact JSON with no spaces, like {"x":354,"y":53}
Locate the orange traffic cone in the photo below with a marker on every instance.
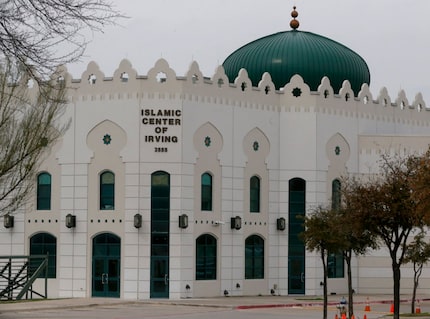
{"x":344,"y":316}
{"x":418,"y":308}
{"x":352,"y":317}
{"x":367,"y":308}
{"x":392,"y":308}
{"x":365,"y":316}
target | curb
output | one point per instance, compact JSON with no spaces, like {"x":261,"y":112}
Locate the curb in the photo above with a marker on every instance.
{"x":290,"y":305}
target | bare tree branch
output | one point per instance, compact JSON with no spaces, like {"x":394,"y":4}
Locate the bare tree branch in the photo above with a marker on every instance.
{"x":42,"y":34}
{"x":29,"y":126}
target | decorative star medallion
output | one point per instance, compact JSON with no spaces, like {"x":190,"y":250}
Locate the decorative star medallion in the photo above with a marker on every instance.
{"x":297,"y":92}
{"x":207,"y":141}
{"x":107,"y":139}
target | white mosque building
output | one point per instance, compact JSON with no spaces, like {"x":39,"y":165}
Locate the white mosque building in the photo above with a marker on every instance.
{"x":169,"y":186}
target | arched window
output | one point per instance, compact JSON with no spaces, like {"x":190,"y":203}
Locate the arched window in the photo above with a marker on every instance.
{"x":335,"y":194}
{"x":44,"y":244}
{"x":44,"y":191}
{"x":107,"y":191}
{"x":206,"y":251}
{"x":335,"y":263}
{"x":296,"y":246}
{"x":206,"y":192}
{"x":254,"y":195}
{"x":254,"y":257}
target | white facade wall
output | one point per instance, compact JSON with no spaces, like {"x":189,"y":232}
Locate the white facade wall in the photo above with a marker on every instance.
{"x":296,"y":136}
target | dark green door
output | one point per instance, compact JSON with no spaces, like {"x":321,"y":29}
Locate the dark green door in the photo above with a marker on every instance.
{"x":159,"y":277}
{"x":296,"y":275}
{"x":106,"y":266}
{"x":160,"y":219}
{"x":296,"y":247}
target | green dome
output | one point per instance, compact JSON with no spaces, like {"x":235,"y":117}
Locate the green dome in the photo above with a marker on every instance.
{"x":310,"y":55}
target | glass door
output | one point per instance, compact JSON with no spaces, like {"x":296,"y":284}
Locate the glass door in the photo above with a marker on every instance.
{"x":106,"y":266}
{"x":296,"y":275}
{"x":159,"y":277}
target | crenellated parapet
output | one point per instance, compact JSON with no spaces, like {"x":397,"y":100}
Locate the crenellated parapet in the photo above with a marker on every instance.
{"x":162,"y":82}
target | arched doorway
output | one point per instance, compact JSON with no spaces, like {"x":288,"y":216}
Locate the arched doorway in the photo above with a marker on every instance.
{"x":106,"y":266}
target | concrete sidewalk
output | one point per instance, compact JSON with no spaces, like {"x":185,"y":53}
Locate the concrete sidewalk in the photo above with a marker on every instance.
{"x":224,"y":302}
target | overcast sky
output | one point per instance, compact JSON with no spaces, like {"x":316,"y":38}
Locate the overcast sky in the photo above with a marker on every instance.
{"x":393,"y":36}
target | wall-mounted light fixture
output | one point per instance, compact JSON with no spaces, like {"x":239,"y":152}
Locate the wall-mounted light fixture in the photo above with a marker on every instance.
{"x":8,"y":221}
{"x":70,"y":221}
{"x":137,"y":221}
{"x":236,"y":223}
{"x":280,"y":223}
{"x":183,"y":221}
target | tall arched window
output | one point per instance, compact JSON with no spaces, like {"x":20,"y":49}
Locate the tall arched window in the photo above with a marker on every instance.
{"x":335,"y":194}
{"x":206,"y":253}
{"x":44,"y":191}
{"x":335,"y":262}
{"x":254,"y":257}
{"x":254,"y":195}
{"x":206,"y":192}
{"x":160,"y":235}
{"x":44,"y":244}
{"x":107,"y":191}
{"x":296,"y":246}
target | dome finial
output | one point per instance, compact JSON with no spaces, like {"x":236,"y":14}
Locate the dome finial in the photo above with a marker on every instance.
{"x":294,"y":24}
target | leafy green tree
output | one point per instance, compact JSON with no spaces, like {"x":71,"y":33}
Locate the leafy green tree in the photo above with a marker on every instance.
{"x":350,"y":236}
{"x":318,"y":236}
{"x":417,"y":253}
{"x":391,"y":209}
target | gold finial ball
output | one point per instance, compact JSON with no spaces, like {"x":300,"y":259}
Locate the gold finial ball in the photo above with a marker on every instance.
{"x":294,"y":13}
{"x":294,"y":24}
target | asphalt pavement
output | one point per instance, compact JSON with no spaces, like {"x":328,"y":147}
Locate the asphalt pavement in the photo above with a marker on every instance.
{"x":375,"y":306}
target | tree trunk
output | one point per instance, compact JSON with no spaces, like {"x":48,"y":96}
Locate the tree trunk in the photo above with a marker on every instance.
{"x":396,"y":279}
{"x":414,"y":294}
{"x":417,"y":273}
{"x":325,"y":284}
{"x":348,"y":257}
